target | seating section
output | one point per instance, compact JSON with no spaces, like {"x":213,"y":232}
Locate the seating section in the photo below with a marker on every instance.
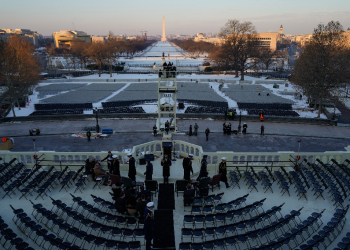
{"x":57,"y":112}
{"x":264,"y":106}
{"x":122,"y":110}
{"x":64,"y":106}
{"x":274,"y":112}
{"x":205,"y":110}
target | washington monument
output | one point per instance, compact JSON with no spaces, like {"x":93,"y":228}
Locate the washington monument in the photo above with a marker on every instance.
{"x":163,"y":35}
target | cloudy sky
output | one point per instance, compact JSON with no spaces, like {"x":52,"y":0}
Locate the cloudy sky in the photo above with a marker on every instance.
{"x":98,"y":17}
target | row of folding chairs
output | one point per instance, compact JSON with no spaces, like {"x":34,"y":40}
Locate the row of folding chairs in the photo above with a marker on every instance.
{"x":11,"y":239}
{"x":313,"y":240}
{"x":244,"y":229}
{"x":23,"y":177}
{"x":5,"y":166}
{"x":125,"y":103}
{"x":69,"y":178}
{"x":265,"y":106}
{"x":291,"y":113}
{"x":232,"y":216}
{"x":205,"y":110}
{"x":38,"y":179}
{"x":122,"y":110}
{"x":59,"y":106}
{"x":57,"y":112}
{"x":96,"y":213}
{"x":12,"y":172}
{"x":70,"y":237}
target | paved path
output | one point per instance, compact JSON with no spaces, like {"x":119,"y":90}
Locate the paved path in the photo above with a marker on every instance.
{"x":145,"y":126}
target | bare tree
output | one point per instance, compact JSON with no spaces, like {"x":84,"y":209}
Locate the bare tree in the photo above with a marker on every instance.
{"x":239,"y":43}
{"x":97,"y":54}
{"x":266,"y":57}
{"x":324,"y":63}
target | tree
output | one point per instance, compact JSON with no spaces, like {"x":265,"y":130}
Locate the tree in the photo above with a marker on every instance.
{"x":265,"y":56}
{"x":97,"y":53}
{"x":79,"y":50}
{"x":323,"y":64}
{"x":19,"y":71}
{"x":239,"y":43}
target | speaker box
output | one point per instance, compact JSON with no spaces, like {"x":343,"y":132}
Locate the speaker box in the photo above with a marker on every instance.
{"x":149,"y":157}
{"x":142,"y":161}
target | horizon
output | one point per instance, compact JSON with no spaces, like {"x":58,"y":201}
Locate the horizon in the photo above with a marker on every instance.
{"x":297,"y":17}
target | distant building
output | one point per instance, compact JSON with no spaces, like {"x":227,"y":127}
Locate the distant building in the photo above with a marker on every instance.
{"x":200,"y":37}
{"x":32,"y":37}
{"x":99,"y":39}
{"x":64,"y":38}
{"x":269,"y":39}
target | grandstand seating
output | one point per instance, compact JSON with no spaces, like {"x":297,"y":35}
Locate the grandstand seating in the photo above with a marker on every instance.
{"x":57,"y":112}
{"x":62,"y":106}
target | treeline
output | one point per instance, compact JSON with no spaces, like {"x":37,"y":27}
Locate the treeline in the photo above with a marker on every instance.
{"x":19,"y":70}
{"x":323,"y":65}
{"x":195,"y":48}
{"x":99,"y":53}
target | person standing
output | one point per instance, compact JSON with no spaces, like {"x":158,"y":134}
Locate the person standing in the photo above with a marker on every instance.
{"x":109,"y":159}
{"x":245,"y":126}
{"x":149,"y":170}
{"x":262,"y":129}
{"x":115,"y":165}
{"x":148,"y":227}
{"x":88,"y":135}
{"x":195,"y":129}
{"x":190,"y":132}
{"x":154,"y":130}
{"x":132,"y":168}
{"x":166,"y":163}
{"x":167,"y":126}
{"x":231,"y":114}
{"x":207,"y":131}
{"x":203,"y":172}
{"x":187,"y":166}
{"x":223,"y":171}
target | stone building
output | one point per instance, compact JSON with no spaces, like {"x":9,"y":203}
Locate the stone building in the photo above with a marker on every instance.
{"x":64,"y":38}
{"x":30,"y":36}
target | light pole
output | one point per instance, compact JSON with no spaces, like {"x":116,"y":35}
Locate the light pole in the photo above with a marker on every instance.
{"x":97,"y":126}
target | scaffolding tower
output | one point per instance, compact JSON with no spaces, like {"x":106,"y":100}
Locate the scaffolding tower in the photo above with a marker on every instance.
{"x":167,"y":90}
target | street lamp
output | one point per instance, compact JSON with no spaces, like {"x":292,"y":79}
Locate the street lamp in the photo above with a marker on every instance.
{"x":97,"y":126}
{"x":240,"y":119}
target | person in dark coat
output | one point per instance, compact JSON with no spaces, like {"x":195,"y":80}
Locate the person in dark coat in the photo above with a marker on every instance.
{"x":88,"y":135}
{"x":120,"y":203}
{"x":203,"y":172}
{"x":154,"y":130}
{"x":189,"y":193}
{"x":141,"y":205}
{"x":223,"y":171}
{"x":167,"y":126}
{"x":187,"y":166}
{"x":190,"y":132}
{"x":149,"y":224}
{"x":109,"y":159}
{"x":149,"y":170}
{"x":146,"y":193}
{"x":195,"y":129}
{"x":166,"y":163}
{"x":116,"y":192}
{"x":245,"y":126}
{"x":115,"y":165}
{"x":262,"y":129}
{"x":207,"y":131}
{"x":132,"y":168}
{"x":89,"y":166}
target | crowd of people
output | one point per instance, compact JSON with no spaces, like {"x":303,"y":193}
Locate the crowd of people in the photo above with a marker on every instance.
{"x":169,"y":70}
{"x":133,"y":202}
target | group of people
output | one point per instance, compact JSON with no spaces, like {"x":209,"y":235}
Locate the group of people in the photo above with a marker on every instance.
{"x":169,"y":68}
{"x":138,"y":204}
{"x":227,"y":128}
{"x":195,"y":132}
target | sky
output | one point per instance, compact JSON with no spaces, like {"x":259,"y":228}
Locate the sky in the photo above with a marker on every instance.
{"x":189,"y":17}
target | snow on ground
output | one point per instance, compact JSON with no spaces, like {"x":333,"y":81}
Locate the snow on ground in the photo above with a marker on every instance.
{"x":99,"y":104}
